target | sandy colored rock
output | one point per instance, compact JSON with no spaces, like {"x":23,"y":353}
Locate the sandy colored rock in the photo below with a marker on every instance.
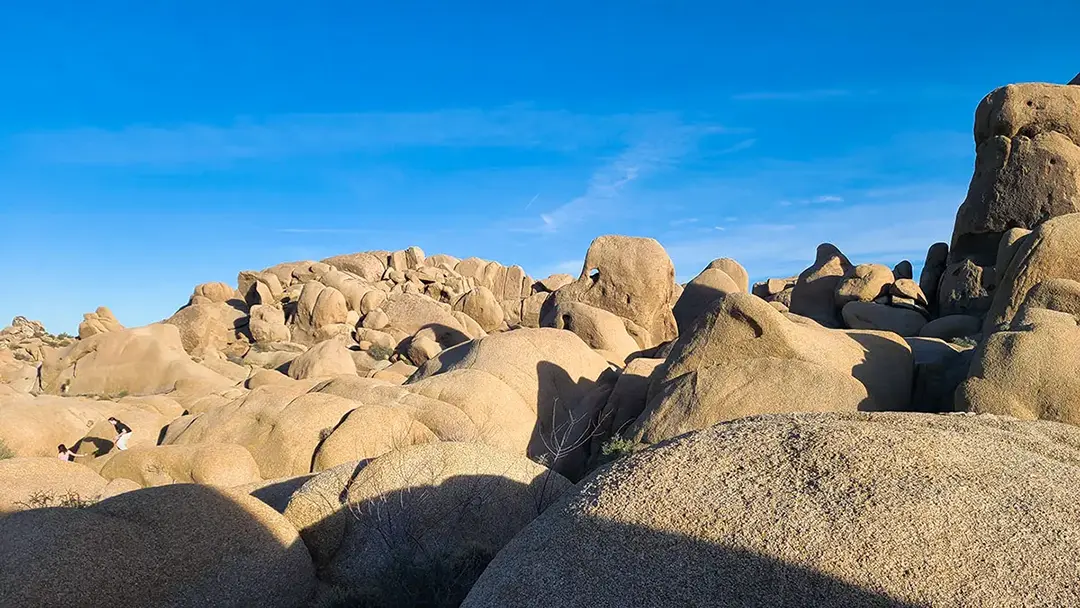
{"x":629,"y":396}
{"x":701,"y":293}
{"x":364,"y":265}
{"x":553,"y":282}
{"x":909,"y":289}
{"x":814,"y":293}
{"x":601,"y":330}
{"x":208,"y":324}
{"x":734,"y":270}
{"x":225,"y":550}
{"x":98,"y":322}
{"x":143,"y":360}
{"x":813,"y":510}
{"x":222,"y":465}
{"x":1049,"y":252}
{"x":1021,"y":372}
{"x":863,"y":283}
{"x":1023,"y":109}
{"x":744,"y":358}
{"x":549,"y":370}
{"x":630,"y":277}
{"x":215,"y":292}
{"x":480,"y":304}
{"x":432,"y":507}
{"x":325,"y":359}
{"x":27,"y":483}
{"x":881,"y":317}
{"x":280,"y":425}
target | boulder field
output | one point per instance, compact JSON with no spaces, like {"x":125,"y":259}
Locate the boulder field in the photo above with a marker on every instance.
{"x":391,"y":428}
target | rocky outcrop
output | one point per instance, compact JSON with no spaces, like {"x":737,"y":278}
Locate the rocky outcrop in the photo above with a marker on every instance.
{"x":812,"y":510}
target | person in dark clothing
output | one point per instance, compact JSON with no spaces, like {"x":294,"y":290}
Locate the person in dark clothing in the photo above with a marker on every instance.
{"x":123,"y":433}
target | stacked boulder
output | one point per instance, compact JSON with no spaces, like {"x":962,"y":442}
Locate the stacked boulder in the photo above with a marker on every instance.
{"x":633,"y":279}
{"x":1027,"y":170}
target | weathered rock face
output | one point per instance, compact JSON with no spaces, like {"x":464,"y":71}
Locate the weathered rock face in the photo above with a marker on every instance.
{"x":744,"y":358}
{"x":223,"y":465}
{"x":280,"y":425}
{"x":601,"y":330}
{"x":1022,"y":372}
{"x":630,"y":277}
{"x":27,"y":483}
{"x":98,"y":322}
{"x":1049,"y":252}
{"x":874,"y":316}
{"x":481,"y":305}
{"x":701,"y":293}
{"x":325,"y":359}
{"x":863,"y":283}
{"x":1027,"y":166}
{"x":813,"y":510}
{"x":813,"y":294}
{"x":55,"y":556}
{"x":141,"y":361}
{"x":544,"y":374}
{"x":208,"y":324}
{"x":441,"y":507}
{"x":734,"y":270}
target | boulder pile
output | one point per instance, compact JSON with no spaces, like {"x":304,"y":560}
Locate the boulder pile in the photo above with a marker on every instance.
{"x":390,"y":428}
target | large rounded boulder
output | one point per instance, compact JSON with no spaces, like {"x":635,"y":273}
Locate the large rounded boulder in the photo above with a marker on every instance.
{"x":813,"y":510}
{"x":179,"y":545}
{"x":743,"y":357}
{"x":418,"y":522}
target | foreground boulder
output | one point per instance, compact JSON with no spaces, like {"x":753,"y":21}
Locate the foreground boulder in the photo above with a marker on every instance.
{"x":744,"y":358}
{"x":419,"y":523}
{"x":813,"y":510}
{"x":178,"y":545}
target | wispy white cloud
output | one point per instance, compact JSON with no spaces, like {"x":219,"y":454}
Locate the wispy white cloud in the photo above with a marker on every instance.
{"x":294,"y":135}
{"x":683,"y":222}
{"x":808,"y":95}
{"x":660,"y":149}
{"x":738,"y":147}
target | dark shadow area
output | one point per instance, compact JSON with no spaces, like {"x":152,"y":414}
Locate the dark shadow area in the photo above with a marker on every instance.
{"x":619,"y":564}
{"x":570,"y":422}
{"x":422,"y":546}
{"x":884,"y":360}
{"x":446,"y":336}
{"x":277,"y":494}
{"x":100,"y":445}
{"x":206,"y":550}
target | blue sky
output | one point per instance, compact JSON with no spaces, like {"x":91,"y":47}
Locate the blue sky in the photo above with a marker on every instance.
{"x":146,"y":147}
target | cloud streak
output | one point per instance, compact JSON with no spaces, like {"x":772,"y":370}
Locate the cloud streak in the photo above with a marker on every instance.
{"x":294,"y":135}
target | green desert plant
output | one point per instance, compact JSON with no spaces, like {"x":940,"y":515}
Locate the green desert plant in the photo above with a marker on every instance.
{"x":615,"y":448}
{"x":41,"y":500}
{"x":5,"y":451}
{"x":380,"y":352}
